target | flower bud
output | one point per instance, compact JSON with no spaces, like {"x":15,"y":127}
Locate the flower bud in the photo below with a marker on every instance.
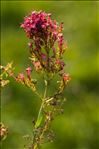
{"x":43,"y":56}
{"x":3,"y":131}
{"x":66,"y":77}
{"x":28,"y":71}
{"x":30,"y":45}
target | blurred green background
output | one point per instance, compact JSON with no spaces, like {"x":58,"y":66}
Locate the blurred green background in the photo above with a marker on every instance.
{"x":78,"y":127}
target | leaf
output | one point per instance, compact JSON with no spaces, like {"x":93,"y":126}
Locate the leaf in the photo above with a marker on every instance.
{"x":39,"y":120}
{"x":45,"y":82}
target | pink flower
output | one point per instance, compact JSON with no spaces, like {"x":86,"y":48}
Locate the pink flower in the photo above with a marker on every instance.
{"x":66,"y":77}
{"x":40,"y":24}
{"x":30,"y":44}
{"x":28,"y":71}
{"x":37,"y":65}
{"x":55,"y":35}
{"x":45,"y":34}
{"x":61,"y":27}
{"x":43,"y":56}
{"x":60,"y":63}
{"x":20,"y":77}
{"x":60,"y":42}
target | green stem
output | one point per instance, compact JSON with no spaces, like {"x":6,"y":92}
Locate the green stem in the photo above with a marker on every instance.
{"x":45,"y":92}
{"x":39,"y":114}
{"x":40,"y":111}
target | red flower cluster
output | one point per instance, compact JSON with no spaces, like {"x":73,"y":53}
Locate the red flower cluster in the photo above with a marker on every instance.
{"x":47,"y":42}
{"x":40,"y":25}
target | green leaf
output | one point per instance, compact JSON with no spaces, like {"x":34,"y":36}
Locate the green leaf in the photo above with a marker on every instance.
{"x":39,"y":120}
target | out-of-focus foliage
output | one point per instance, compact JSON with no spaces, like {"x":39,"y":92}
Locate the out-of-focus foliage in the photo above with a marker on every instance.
{"x":78,"y":128}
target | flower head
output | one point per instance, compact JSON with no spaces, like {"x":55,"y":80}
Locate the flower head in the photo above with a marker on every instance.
{"x":37,"y":24}
{"x":47,"y":42}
